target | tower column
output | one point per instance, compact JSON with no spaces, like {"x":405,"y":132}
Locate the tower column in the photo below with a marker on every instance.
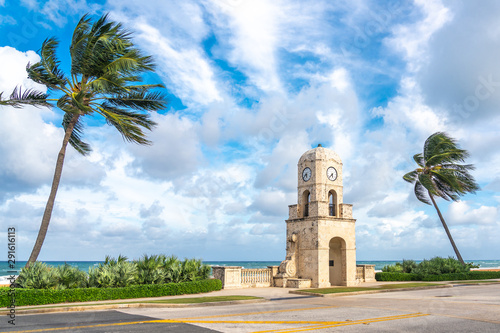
{"x":325,"y":249}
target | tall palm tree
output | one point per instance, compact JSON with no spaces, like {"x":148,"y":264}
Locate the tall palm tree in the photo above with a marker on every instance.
{"x":104,"y":80}
{"x":439,"y":174}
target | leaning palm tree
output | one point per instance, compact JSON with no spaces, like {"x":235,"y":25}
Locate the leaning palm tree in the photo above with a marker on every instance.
{"x":104,"y":80}
{"x":439,"y":174}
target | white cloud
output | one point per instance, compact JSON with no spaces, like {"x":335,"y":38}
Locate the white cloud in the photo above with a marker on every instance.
{"x":460,"y":213}
{"x":412,"y":40}
{"x":252,"y":29}
{"x":172,"y":35}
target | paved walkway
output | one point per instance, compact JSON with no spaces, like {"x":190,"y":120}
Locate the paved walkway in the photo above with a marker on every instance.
{"x":267,"y":294}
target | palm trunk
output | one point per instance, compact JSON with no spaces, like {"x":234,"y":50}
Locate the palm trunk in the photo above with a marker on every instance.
{"x":52,"y":197}
{"x":459,"y":257}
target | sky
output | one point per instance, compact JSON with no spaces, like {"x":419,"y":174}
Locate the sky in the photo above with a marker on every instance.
{"x":252,"y":85}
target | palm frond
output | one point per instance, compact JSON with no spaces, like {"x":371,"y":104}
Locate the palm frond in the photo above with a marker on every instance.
{"x":75,"y":138}
{"x":139,"y":100}
{"x":421,"y":193}
{"x":128,"y":123}
{"x":411,"y":176}
{"x":419,"y":159}
{"x":47,"y":71}
{"x":18,"y":98}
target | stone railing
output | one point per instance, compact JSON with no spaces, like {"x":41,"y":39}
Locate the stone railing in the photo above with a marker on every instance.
{"x":365,"y":273}
{"x":258,"y":277}
{"x":234,"y":277}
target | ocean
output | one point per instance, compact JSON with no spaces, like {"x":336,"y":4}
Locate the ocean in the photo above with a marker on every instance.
{"x":85,"y":265}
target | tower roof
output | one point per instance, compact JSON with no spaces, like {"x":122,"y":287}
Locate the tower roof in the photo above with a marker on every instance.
{"x":320,"y":153}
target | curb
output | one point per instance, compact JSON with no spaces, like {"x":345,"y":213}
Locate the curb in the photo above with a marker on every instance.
{"x":70,"y":308}
{"x":364,"y":292}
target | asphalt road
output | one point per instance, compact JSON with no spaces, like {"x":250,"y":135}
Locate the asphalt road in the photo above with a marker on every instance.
{"x":458,"y":309}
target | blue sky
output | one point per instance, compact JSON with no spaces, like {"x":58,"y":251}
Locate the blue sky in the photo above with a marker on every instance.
{"x":252,"y":86}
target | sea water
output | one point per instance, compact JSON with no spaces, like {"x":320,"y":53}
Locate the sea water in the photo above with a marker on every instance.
{"x":5,"y":270}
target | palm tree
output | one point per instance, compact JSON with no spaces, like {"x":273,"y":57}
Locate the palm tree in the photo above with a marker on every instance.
{"x":439,"y":175}
{"x":104,"y":80}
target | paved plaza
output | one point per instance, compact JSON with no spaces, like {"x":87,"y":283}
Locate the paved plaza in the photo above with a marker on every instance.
{"x":469,"y":308}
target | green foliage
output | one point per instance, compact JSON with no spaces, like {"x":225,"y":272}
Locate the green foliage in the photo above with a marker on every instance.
{"x":113,"y":273}
{"x":435,"y":269}
{"x":409,"y":266}
{"x":52,"y":296}
{"x":38,"y":276}
{"x":396,"y":276}
{"x":438,"y":265}
{"x":150,"y":269}
{"x":396,"y":268}
{"x":472,"y":275}
{"x":439,"y":171}
{"x":154,"y":269}
{"x":70,"y":277}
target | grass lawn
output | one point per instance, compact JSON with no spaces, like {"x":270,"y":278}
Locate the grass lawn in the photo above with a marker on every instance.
{"x":336,"y":290}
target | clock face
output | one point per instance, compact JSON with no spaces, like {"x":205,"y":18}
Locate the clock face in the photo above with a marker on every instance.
{"x":331,"y":173}
{"x":306,"y":174}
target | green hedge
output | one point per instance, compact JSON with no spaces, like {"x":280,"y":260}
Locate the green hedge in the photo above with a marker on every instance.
{"x":472,"y":275}
{"x":51,"y":296}
{"x":395,"y":276}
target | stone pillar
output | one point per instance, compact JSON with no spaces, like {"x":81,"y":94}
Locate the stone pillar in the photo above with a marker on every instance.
{"x":350,"y":268}
{"x":230,"y":276}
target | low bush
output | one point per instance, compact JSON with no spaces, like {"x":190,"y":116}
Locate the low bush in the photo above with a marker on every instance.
{"x":396,"y":276}
{"x":39,"y":275}
{"x":436,"y":265}
{"x":113,"y":273}
{"x":472,"y":275}
{"x":52,"y":296}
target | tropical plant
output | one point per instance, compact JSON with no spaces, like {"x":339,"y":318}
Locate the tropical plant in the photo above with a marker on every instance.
{"x":438,"y":265}
{"x":69,"y":277}
{"x":439,"y":174}
{"x":150,"y":269}
{"x":409,"y":266}
{"x":113,"y":273}
{"x":104,"y":80}
{"x":172,"y":269}
{"x":37,"y":276}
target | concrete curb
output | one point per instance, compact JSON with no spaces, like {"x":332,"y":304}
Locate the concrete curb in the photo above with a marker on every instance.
{"x":70,"y":308}
{"x":368,"y":291}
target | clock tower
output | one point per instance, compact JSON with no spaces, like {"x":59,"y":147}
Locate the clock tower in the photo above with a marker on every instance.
{"x":321,"y":245}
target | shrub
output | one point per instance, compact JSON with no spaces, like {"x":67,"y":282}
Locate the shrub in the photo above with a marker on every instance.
{"x":438,"y":265}
{"x":396,"y":268}
{"x":409,"y":266}
{"x":37,"y":276}
{"x":150,"y":269}
{"x":154,"y":269}
{"x":70,"y":277}
{"x":396,"y":276}
{"x":52,"y":296}
{"x":472,"y":275}
{"x":113,"y":273}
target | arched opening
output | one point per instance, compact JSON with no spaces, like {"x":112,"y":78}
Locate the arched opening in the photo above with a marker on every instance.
{"x":332,"y":206}
{"x":337,"y":262}
{"x":306,"y":199}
